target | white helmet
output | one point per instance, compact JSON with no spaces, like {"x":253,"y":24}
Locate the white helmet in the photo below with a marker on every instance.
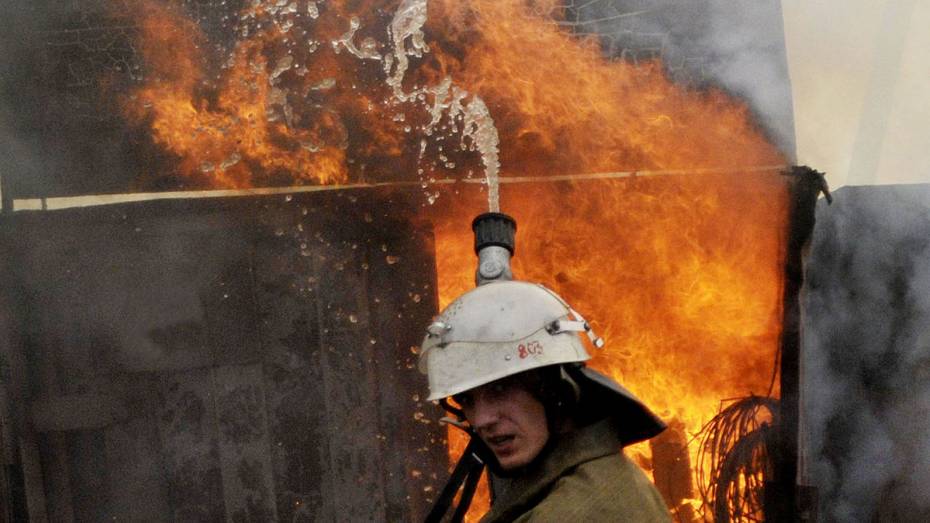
{"x":497,"y":330}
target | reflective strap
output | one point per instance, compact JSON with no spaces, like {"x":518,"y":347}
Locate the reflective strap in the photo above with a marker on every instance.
{"x":579,"y":325}
{"x":560,"y":326}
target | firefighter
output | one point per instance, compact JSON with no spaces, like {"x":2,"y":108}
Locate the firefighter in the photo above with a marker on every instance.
{"x":508,"y":360}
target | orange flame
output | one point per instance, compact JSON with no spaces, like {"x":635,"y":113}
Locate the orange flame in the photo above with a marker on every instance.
{"x":681,"y":273}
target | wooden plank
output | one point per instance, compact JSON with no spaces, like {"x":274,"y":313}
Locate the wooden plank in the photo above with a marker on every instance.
{"x":289,"y":334}
{"x":135,"y":488}
{"x":354,"y":492}
{"x":245,"y":463}
{"x":33,"y":479}
{"x":402,"y":299}
{"x":187,"y":430}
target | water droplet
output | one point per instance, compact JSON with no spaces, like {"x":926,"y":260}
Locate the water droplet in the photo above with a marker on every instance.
{"x":233,"y":159}
{"x":391,"y":260}
{"x":289,"y":197}
{"x":416,"y":298}
{"x":286,"y":62}
{"x":353,"y":318}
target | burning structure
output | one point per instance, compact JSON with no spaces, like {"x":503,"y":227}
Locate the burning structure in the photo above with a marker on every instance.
{"x":646,"y":193}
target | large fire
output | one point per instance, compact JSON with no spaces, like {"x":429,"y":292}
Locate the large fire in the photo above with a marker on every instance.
{"x":681,"y":273}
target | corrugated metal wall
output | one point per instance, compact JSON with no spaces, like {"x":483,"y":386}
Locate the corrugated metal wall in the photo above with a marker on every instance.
{"x":246,"y":359}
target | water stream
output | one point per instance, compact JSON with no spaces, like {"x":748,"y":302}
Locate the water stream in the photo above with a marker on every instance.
{"x":466,"y":112}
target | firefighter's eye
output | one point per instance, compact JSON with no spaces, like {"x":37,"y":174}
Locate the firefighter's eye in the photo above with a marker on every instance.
{"x":463,"y":400}
{"x":500,"y":388}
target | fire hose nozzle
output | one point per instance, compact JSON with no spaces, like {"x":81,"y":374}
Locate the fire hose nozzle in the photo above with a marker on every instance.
{"x":494,"y":228}
{"x":494,"y":244}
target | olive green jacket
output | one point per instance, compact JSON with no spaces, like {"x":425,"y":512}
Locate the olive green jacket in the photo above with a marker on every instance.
{"x":583,"y":477}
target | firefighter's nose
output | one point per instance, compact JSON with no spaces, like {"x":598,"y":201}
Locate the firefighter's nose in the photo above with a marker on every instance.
{"x":483,"y":414}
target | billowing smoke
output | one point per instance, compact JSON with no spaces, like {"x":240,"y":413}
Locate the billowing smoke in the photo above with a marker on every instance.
{"x":867,"y":355}
{"x":738,"y":46}
{"x":19,"y":152}
{"x":56,"y":135}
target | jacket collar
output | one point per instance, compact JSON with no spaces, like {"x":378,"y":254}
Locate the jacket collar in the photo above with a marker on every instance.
{"x":519,"y":493}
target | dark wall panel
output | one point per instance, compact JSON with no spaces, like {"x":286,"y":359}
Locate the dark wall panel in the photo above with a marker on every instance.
{"x":246,"y":359}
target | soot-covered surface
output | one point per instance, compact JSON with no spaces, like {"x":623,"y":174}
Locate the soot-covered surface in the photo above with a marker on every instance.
{"x":223,"y":359}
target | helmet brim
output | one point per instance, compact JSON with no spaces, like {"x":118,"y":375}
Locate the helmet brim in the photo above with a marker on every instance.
{"x":635,"y":421}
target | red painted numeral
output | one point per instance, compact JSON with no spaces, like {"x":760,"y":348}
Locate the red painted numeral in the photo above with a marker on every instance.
{"x":533,"y":347}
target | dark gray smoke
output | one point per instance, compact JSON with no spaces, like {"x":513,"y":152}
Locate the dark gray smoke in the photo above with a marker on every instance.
{"x":739,"y":46}
{"x":19,"y":157}
{"x":866,"y":343}
{"x":53,"y":137}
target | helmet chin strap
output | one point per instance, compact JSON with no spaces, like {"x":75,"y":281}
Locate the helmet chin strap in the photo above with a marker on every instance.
{"x":467,"y":471}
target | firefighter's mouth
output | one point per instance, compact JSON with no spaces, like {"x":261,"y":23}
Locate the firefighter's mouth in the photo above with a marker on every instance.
{"x":501,"y":442}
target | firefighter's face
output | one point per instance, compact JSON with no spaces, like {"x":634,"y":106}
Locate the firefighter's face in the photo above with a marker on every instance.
{"x":509,"y":419}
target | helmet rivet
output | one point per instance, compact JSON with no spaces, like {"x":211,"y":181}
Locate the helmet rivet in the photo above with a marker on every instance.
{"x":507,"y":357}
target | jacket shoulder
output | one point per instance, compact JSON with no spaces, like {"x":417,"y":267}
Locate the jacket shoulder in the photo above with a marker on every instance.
{"x":610,"y":488}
